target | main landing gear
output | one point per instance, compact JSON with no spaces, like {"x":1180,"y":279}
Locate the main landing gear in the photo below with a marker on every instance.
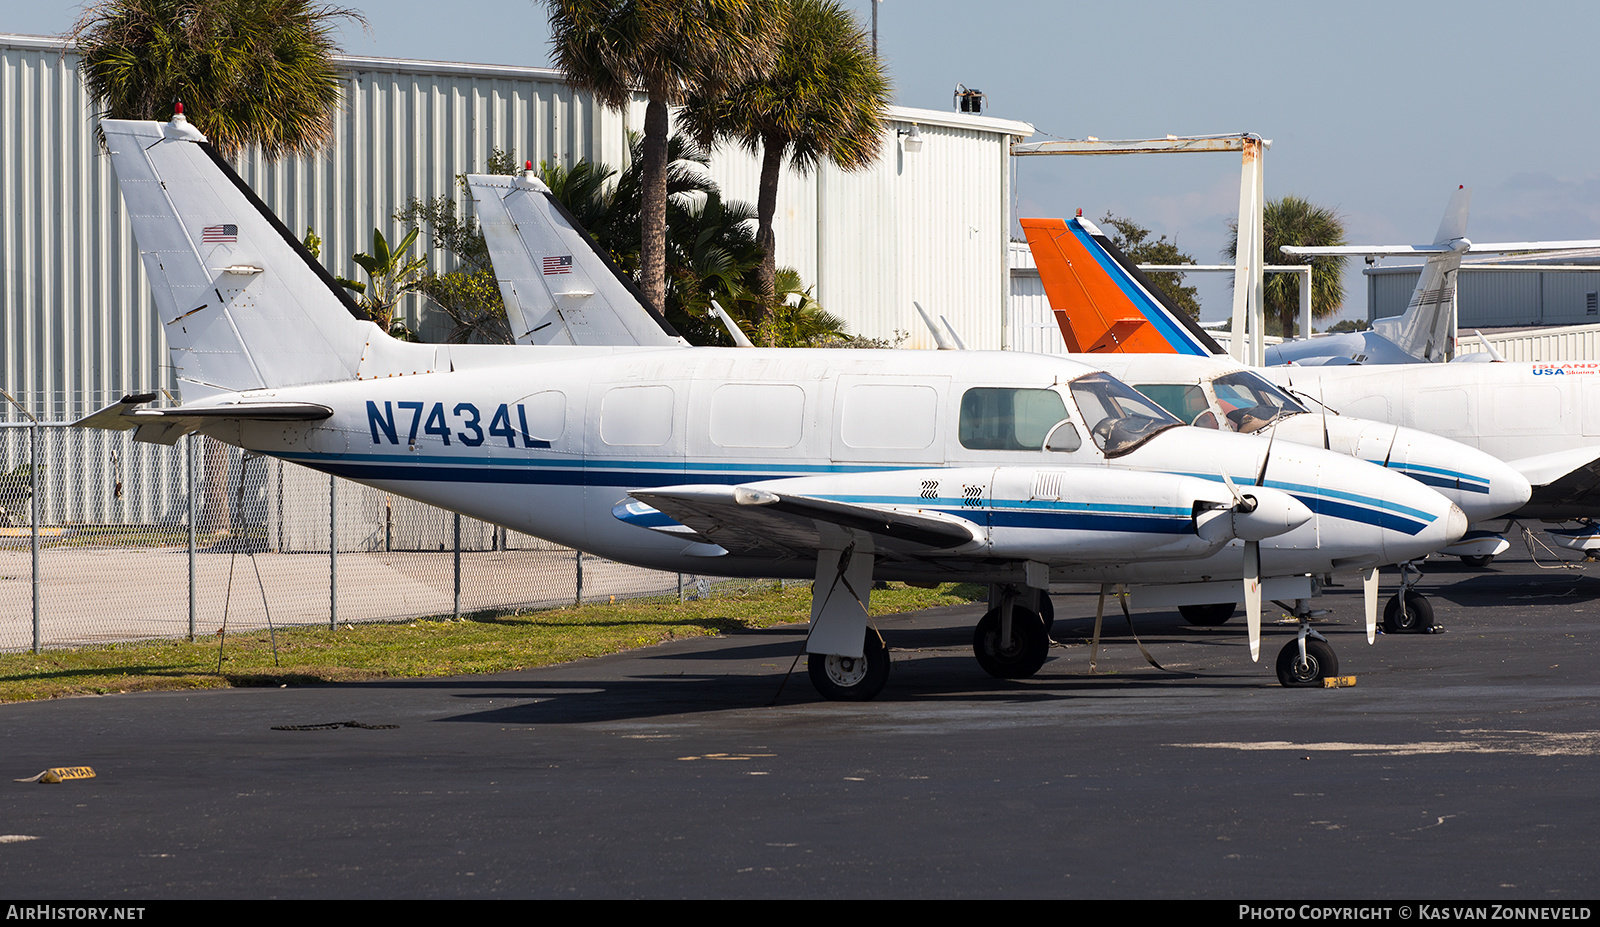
{"x":1016,"y":651}
{"x":1208,"y":616}
{"x":1408,"y":611}
{"x":852,"y":679}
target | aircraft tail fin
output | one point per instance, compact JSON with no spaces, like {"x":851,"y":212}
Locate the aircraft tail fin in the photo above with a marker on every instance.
{"x":559,"y":287}
{"x":1427,"y":329}
{"x":244,"y":305}
{"x":1102,"y":301}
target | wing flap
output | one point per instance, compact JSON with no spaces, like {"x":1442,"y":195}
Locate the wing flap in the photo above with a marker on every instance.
{"x":744,"y":519}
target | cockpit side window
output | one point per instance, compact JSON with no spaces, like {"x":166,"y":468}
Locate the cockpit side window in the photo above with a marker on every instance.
{"x":1250,"y":403}
{"x":1119,"y":418}
{"x":1008,"y":419}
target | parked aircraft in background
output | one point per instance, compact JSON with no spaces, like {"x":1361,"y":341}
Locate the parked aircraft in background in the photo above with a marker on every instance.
{"x":1542,"y":419}
{"x":840,"y":466}
{"x":1426,"y":331}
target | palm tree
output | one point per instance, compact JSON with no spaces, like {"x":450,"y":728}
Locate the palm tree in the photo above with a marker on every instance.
{"x":825,"y":99}
{"x":252,"y":72}
{"x":1294,"y":221}
{"x":669,"y":48}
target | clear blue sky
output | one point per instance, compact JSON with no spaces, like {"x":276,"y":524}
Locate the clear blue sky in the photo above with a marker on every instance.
{"x":1377,"y":109}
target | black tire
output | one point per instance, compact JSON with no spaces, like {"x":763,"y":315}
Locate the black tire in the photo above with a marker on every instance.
{"x":1028,"y":648}
{"x":1478,"y":563}
{"x":1319,"y":665}
{"x":851,"y":679}
{"x":1208,"y":616}
{"x":1418,"y":618}
{"x":1047,"y":612}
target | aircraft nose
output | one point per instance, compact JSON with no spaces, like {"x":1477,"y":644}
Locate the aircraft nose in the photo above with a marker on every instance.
{"x":1509,"y":490}
{"x":1455,"y":524}
{"x":1482,"y":485}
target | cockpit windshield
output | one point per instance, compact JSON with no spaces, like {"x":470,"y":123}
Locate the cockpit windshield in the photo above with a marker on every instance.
{"x":1119,"y":418}
{"x":1250,"y":403}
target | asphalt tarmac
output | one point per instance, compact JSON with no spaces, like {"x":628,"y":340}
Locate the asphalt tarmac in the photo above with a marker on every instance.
{"x":1462,"y":765}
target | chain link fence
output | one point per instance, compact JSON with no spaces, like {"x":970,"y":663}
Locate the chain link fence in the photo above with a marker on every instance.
{"x":103,"y":538}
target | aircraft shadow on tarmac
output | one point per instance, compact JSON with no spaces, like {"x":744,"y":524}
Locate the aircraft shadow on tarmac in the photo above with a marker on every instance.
{"x":933,"y":664}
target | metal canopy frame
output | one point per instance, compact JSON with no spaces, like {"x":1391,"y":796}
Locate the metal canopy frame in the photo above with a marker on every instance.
{"x":1248,"y":313}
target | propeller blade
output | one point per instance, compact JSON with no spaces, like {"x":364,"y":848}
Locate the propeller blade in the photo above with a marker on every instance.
{"x":1261,"y":478}
{"x":1252,"y":596}
{"x":1369,"y":586}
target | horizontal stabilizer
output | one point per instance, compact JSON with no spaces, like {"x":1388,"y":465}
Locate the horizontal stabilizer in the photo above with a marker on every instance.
{"x":1471,"y":247}
{"x":166,"y":426}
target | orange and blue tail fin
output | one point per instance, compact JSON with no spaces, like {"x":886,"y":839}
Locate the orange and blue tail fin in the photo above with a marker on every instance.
{"x":1102,"y":302}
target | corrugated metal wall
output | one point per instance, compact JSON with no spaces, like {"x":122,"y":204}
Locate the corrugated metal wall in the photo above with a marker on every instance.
{"x":1569,"y":343}
{"x":1486,"y":299}
{"x":929,"y":226}
{"x":75,"y":309}
{"x":76,"y":312}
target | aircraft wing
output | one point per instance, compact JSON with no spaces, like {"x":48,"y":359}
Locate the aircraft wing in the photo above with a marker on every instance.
{"x":747,"y":520}
{"x":1563,"y":482}
{"x":166,"y":426}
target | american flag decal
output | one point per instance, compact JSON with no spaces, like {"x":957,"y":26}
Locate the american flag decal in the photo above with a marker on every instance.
{"x":217,"y":234}
{"x":558,"y":265}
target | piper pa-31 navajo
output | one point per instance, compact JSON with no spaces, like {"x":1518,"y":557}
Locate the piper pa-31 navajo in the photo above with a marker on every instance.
{"x":528,"y":234}
{"x":841,"y":466}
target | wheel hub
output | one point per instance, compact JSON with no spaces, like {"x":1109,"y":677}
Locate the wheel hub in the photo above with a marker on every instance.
{"x":846,"y":671}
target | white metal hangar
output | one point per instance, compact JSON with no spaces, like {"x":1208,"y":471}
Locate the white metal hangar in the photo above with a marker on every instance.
{"x":928,"y":222}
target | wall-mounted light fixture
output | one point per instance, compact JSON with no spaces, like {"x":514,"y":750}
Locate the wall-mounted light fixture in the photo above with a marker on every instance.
{"x":910,"y":138}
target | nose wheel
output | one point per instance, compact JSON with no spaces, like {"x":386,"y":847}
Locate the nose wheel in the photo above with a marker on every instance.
{"x":1306,"y":660}
{"x":1408,"y":611}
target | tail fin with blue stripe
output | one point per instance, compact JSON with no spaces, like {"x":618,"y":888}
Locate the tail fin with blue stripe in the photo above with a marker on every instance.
{"x":1102,"y":302}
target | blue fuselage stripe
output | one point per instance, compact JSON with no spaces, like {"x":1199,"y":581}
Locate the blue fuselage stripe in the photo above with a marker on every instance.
{"x":647,"y":474}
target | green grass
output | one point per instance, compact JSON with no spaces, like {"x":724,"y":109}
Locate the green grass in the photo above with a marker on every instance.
{"x":484,"y":643}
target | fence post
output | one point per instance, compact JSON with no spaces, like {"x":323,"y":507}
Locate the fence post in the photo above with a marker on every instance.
{"x":33,"y":487}
{"x":458,"y":566}
{"x":577,"y":598}
{"x":189,"y":482}
{"x":333,"y":552}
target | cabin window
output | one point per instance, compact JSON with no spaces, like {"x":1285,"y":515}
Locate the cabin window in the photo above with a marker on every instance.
{"x":546,"y":413}
{"x":1005,"y":419}
{"x":889,"y":416}
{"x":636,"y":416}
{"x":767,"y":415}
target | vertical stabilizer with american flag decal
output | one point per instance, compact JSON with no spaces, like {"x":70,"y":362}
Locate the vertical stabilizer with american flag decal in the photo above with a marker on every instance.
{"x":559,"y":287}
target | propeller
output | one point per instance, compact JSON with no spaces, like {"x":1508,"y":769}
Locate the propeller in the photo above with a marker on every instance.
{"x":1369,"y":586}
{"x":1256,"y":515}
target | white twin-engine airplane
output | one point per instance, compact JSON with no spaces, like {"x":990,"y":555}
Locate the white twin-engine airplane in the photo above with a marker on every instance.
{"x":841,"y":466}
